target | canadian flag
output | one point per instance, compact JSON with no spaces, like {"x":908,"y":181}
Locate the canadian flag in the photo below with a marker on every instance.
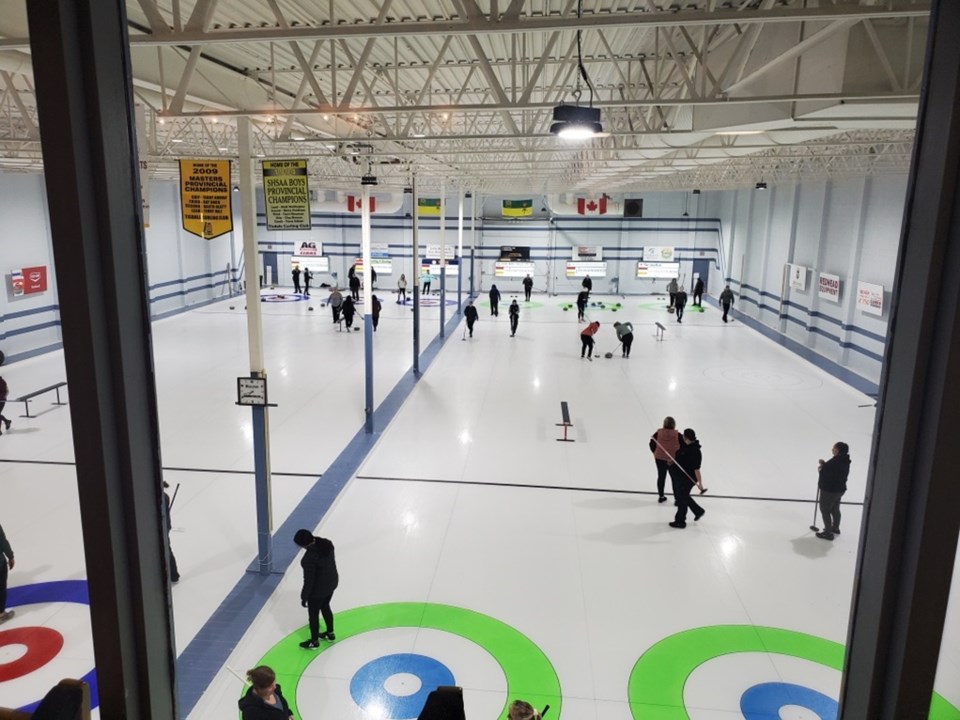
{"x":592,"y":207}
{"x":355,"y":204}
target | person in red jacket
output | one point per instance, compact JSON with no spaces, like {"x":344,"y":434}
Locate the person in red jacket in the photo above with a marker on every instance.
{"x":586,"y":340}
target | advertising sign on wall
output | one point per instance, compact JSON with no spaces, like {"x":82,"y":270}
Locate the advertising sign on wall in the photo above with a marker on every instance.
{"x":432,"y":252}
{"x":28,"y":280}
{"x":658,"y":270}
{"x":798,"y":277}
{"x":658,"y":254}
{"x":382,"y":265}
{"x":870,"y":298}
{"x":514,"y":269}
{"x":453,"y":267}
{"x":307,"y":248}
{"x":316,"y":264}
{"x":514,"y":252}
{"x":829,"y":287}
{"x":587,"y":252}
{"x":582,"y":269}
{"x":205,"y":197}
{"x":16,"y":282}
{"x":286,"y":195}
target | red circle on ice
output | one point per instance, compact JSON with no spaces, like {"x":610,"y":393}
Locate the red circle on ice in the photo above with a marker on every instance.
{"x":43,"y":645}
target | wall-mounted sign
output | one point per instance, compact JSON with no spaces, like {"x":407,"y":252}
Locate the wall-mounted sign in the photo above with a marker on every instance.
{"x":829,"y":287}
{"x":382,"y":265}
{"x":658,"y":254}
{"x":870,"y":298}
{"x":308,"y":248}
{"x":205,"y":197}
{"x":582,"y":269}
{"x":586,"y":253}
{"x":286,"y":195}
{"x":28,"y":280}
{"x":658,"y":270}
{"x":516,"y":269}
{"x":452,"y":267}
{"x":432,"y":252}
{"x":798,"y":277}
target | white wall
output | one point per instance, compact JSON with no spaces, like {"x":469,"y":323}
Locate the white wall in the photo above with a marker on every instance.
{"x":849,"y":228}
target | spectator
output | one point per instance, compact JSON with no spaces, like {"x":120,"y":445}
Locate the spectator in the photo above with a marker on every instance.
{"x":263,"y":700}
{"x":833,"y":484}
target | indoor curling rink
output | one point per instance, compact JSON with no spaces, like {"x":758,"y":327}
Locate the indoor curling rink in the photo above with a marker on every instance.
{"x":473,"y":548}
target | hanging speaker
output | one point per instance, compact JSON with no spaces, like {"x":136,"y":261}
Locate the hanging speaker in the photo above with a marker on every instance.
{"x":633,"y":207}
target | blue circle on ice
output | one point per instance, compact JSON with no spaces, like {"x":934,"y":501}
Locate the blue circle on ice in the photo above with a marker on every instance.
{"x":764,"y":701}
{"x":381,"y":684}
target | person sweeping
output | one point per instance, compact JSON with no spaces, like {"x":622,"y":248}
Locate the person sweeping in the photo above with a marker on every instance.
{"x":587,"y":341}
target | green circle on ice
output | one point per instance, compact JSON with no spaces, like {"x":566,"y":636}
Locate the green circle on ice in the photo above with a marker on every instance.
{"x":658,"y":678}
{"x":527,"y":670}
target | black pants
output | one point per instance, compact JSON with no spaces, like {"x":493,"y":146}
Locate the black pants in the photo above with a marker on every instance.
{"x":726,"y":309}
{"x":681,"y":490}
{"x":426,"y":288}
{"x":830,"y":510}
{"x":514,"y":321}
{"x":673,"y":298}
{"x":698,"y":299}
{"x":349,"y":320}
{"x":296,"y":284}
{"x":174,"y":570}
{"x":679,"y":311}
{"x":2,"y":418}
{"x":355,"y":294}
{"x":526,"y":293}
{"x":662,"y":466}
{"x":627,"y":341}
{"x":306,"y":288}
{"x":3,"y":583}
{"x":586,"y":344}
{"x":336,"y":313}
{"x":401,"y":295}
{"x":315,"y":608}
{"x":495,"y":307}
{"x":376,"y":321}
{"x":581,"y":309}
{"x":470,"y":323}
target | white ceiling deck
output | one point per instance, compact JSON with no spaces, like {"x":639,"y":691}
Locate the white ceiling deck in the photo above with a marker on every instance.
{"x":699,"y":93}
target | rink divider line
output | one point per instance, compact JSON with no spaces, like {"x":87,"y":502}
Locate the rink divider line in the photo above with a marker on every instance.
{"x":214,"y":471}
{"x":207,"y":653}
{"x":613,"y":491}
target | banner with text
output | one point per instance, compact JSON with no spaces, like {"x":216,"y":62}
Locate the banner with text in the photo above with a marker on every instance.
{"x":658,"y":254}
{"x":870,"y":298}
{"x":205,"y":197}
{"x":582,"y":269}
{"x":658,"y":270}
{"x":286,"y":195}
{"x":830,"y":287}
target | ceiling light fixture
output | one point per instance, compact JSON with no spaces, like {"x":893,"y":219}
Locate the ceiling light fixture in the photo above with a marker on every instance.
{"x":575,"y":122}
{"x":761,"y":185}
{"x":740,"y":132}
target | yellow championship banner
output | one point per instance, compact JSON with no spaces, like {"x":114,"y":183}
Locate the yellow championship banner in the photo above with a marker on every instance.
{"x":517,"y":208}
{"x":286,"y":194}
{"x":428,"y":206}
{"x":205,"y":197}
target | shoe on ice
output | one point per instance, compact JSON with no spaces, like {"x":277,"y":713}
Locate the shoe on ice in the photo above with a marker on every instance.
{"x":825,"y":535}
{"x":310,"y":644}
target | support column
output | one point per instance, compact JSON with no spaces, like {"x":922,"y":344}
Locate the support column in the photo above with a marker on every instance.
{"x":443,"y":257}
{"x":459,"y":251}
{"x":909,"y":536}
{"x":416,"y":278}
{"x":367,"y":308}
{"x":473,"y":239}
{"x":81,"y":66}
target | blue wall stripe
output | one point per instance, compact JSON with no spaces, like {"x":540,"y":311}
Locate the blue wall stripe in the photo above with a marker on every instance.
{"x":209,"y":650}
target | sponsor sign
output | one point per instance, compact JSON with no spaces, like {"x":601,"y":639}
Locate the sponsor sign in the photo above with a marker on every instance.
{"x":205,"y":197}
{"x":34,"y":279}
{"x":286,"y":195}
{"x":383,"y":265}
{"x":587,"y":253}
{"x":798,"y":277}
{"x":511,"y":253}
{"x":870,"y":298}
{"x":582,"y":269}
{"x":432,"y":252}
{"x":829,"y":287}
{"x":513,"y":269}
{"x":453,"y":268}
{"x":16,"y":282}
{"x":658,"y":270}
{"x":658,"y":254}
{"x":307,"y":248}
{"x":517,"y":208}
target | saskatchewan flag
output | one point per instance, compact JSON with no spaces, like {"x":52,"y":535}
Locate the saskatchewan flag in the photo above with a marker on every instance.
{"x":517,"y":208}
{"x":428,"y":206}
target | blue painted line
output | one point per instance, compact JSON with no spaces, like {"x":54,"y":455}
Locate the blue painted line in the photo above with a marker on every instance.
{"x":30,"y":311}
{"x":202,"y":659}
{"x":191,"y":278}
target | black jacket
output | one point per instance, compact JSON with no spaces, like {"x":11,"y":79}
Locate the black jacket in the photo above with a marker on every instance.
{"x":528,"y":283}
{"x":833,"y":474}
{"x":582,"y":299}
{"x":470,"y":313}
{"x":689,"y":457}
{"x":252,"y":707}
{"x":698,"y":288}
{"x":587,"y":283}
{"x":348,"y":308}
{"x":680,"y":300}
{"x":319,"y":565}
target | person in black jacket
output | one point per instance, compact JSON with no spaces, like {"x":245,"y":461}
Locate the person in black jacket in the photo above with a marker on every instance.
{"x":587,"y":284}
{"x":685,"y":473}
{"x":174,"y":570}
{"x":320,"y":579}
{"x":296,"y":279}
{"x":375,"y":308}
{"x":527,"y":287}
{"x":4,"y":392}
{"x":679,"y":303}
{"x":263,"y":700}
{"x":582,"y":300}
{"x":348,"y":309}
{"x":494,"y":301}
{"x":307,"y":277}
{"x":471,"y":314}
{"x":514,"y":312}
{"x":355,"y":287}
{"x":698,"y":292}
{"x":833,"y":484}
